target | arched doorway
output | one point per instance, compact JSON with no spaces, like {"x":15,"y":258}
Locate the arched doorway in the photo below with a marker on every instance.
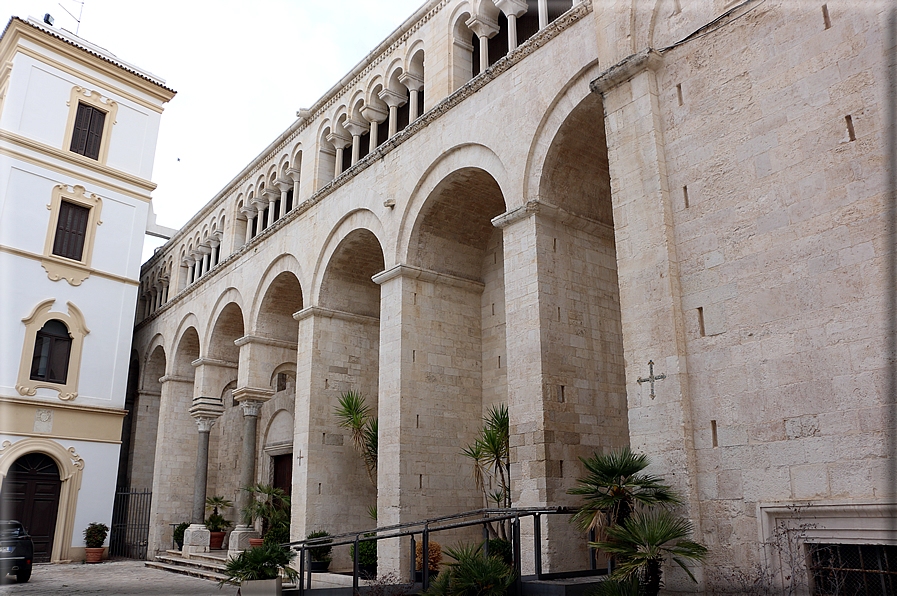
{"x":30,"y":495}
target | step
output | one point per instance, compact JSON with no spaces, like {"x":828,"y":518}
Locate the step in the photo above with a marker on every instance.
{"x":185,"y":570}
{"x":216,"y":566}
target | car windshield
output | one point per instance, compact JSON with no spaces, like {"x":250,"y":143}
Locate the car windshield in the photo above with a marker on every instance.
{"x":11,"y":528}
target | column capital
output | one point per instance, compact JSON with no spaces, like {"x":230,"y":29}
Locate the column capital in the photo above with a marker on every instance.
{"x":511,"y":7}
{"x":392,"y":99}
{"x":248,"y":211}
{"x":293,"y":173}
{"x":272,"y":194}
{"x":356,"y":128}
{"x":483,"y":26}
{"x":251,"y":407}
{"x":374,"y":114}
{"x":338,"y":141}
{"x":259,"y":203}
{"x":283,"y":184}
{"x":205,"y":423}
{"x":412,"y":81}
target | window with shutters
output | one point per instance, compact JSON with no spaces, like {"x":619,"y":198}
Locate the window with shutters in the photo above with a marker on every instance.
{"x":74,"y":219}
{"x":52,"y":347}
{"x":71,"y":227}
{"x":88,"y":132}
{"x":51,"y":352}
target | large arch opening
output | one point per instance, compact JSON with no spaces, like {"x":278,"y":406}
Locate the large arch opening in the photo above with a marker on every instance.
{"x":145,"y":421}
{"x":176,"y":444}
{"x":219,"y":371}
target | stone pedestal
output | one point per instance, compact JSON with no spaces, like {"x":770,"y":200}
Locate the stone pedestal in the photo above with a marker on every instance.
{"x":239,"y":540}
{"x":196,"y":540}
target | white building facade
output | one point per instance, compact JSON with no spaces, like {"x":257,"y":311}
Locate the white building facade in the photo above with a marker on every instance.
{"x":78,"y":131}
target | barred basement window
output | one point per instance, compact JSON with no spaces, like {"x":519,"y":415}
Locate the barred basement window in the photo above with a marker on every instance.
{"x":52,"y":347}
{"x":869,"y":569}
{"x":71,"y":228}
{"x":88,"y":131}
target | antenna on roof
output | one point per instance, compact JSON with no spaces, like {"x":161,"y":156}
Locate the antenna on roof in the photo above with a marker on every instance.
{"x":48,"y":19}
{"x":77,"y":19}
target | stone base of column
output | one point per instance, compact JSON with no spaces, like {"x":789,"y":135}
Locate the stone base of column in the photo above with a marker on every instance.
{"x":239,"y":540}
{"x":196,"y":540}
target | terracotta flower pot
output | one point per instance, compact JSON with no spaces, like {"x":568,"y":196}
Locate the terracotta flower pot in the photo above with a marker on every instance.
{"x":216,"y":539}
{"x":254,"y":542}
{"x":93,"y":555}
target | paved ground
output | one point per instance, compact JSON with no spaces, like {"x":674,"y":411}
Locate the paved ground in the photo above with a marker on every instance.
{"x":114,"y":578}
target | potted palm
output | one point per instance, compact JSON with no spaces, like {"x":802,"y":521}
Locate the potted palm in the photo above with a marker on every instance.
{"x":319,"y":550}
{"x":94,"y":537}
{"x":216,"y":523}
{"x":258,"y":570}
{"x":270,"y":505}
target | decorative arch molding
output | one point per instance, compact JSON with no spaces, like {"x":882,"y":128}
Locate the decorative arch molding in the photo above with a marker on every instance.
{"x":71,"y":467}
{"x":576,"y":90}
{"x":468,"y":155}
{"x":282,"y":263}
{"x":190,"y":321}
{"x":77,"y":329}
{"x":229,"y":296}
{"x":355,"y":220}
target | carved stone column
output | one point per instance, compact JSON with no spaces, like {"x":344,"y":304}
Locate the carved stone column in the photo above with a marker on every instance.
{"x":250,"y":213}
{"x":251,"y":402}
{"x":356,"y":129}
{"x":205,"y":411}
{"x":273,"y":195}
{"x":484,"y":29}
{"x":339,"y":143}
{"x":513,"y":9}
{"x":375,"y":116}
{"x":414,"y":84}
{"x":394,"y":101}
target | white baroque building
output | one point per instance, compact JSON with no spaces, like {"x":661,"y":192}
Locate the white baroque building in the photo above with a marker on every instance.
{"x":78,"y":132}
{"x":526,"y":202}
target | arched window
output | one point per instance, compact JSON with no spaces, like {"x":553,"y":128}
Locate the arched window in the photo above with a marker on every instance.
{"x":52,"y":347}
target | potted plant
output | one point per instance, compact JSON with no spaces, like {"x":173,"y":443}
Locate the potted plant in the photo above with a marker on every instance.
{"x":178,"y":535}
{"x":269,"y":504}
{"x":258,"y":570}
{"x":94,"y":537}
{"x":367,"y":557}
{"x":319,"y":554}
{"x":434,"y":558}
{"x":215,"y":523}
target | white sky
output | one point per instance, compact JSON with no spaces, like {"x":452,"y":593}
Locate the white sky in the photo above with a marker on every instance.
{"x":241,"y":69}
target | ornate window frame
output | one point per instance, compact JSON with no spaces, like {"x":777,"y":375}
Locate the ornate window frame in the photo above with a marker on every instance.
{"x":71,"y":466}
{"x":94,"y":99}
{"x":58,"y":267}
{"x":74,"y":320}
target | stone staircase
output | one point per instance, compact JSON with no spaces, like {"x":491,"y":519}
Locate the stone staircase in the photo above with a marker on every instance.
{"x":205,"y":565}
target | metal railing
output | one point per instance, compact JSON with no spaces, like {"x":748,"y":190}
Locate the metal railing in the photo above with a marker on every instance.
{"x":130,"y":523}
{"x":424,"y":528}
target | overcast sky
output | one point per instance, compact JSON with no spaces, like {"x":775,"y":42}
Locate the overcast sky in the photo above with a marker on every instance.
{"x":241,"y":69}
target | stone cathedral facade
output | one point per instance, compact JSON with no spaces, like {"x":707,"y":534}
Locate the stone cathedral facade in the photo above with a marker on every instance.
{"x":524,"y":202}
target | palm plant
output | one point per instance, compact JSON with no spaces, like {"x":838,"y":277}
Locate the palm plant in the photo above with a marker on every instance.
{"x":268,"y":503}
{"x":354,"y":414}
{"x":473,"y":574}
{"x":491,"y":455}
{"x":260,"y":563}
{"x":214,"y":503}
{"x":614,"y":486}
{"x":644,"y":540}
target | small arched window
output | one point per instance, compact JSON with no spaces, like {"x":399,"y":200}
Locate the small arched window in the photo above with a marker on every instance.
{"x":52,"y":348}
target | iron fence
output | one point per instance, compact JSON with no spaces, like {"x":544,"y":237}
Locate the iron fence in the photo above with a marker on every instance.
{"x":130,"y":523}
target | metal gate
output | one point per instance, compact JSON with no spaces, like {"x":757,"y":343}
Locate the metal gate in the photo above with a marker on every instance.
{"x":130,"y":524}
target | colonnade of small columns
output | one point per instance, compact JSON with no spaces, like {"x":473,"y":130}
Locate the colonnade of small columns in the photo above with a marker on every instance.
{"x":270,"y":204}
{"x":155,"y":295}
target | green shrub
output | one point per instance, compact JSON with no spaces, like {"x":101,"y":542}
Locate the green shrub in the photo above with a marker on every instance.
{"x":95,"y":534}
{"x":179,"y":531}
{"x":367,"y":552}
{"x":217,"y":523}
{"x":279,"y":534}
{"x":322,"y":551}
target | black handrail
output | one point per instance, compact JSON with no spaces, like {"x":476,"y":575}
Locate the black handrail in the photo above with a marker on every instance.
{"x":439,"y":524}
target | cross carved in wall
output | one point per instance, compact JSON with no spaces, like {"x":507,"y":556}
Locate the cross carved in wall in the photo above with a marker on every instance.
{"x":651,"y":378}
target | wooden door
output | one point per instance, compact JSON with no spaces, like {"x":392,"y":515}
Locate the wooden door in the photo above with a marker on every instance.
{"x":283,"y":472}
{"x":31,"y":496}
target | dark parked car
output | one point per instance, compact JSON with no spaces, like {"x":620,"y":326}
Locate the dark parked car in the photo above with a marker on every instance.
{"x":16,"y":551}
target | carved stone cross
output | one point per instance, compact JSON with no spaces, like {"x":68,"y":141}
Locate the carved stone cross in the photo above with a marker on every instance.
{"x":651,"y":378}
